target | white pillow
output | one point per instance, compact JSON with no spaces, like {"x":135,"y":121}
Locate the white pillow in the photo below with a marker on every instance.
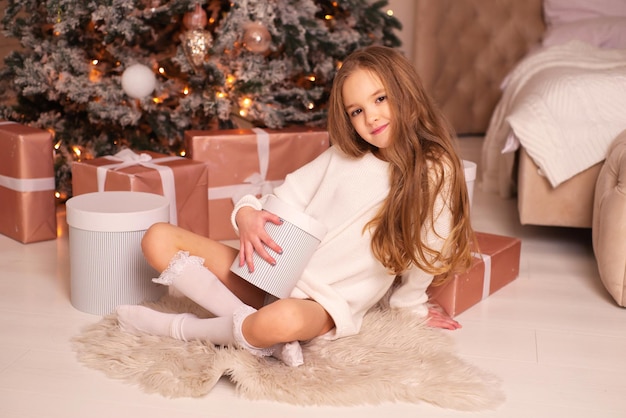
{"x":562,"y":11}
{"x":603,"y":32}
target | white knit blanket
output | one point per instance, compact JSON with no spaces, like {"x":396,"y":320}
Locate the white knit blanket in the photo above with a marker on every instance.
{"x":565,"y":105}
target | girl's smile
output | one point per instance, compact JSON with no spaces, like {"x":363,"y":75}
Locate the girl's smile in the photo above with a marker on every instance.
{"x":379,"y":129}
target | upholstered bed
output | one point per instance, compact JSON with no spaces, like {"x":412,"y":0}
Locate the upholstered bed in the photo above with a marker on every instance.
{"x":562,"y":106}
{"x":488,"y":64}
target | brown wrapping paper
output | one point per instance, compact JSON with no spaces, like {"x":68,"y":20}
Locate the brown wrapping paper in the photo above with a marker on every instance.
{"x":27,"y":201}
{"x":239,"y":164}
{"x":189,"y":184}
{"x":495,"y":265}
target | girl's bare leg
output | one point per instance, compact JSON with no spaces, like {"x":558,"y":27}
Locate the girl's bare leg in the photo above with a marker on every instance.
{"x":286,"y":320}
{"x":163,"y":241}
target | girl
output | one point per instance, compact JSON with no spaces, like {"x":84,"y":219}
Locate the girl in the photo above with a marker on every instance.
{"x":391,"y":192}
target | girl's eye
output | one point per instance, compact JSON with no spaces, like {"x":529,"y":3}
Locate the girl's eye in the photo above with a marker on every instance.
{"x":355,"y":112}
{"x":381,"y":99}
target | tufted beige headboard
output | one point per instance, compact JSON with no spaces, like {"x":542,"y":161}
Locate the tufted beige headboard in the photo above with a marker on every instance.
{"x":463,"y":49}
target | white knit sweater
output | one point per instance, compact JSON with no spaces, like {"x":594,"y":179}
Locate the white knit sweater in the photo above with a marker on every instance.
{"x":343,"y":275}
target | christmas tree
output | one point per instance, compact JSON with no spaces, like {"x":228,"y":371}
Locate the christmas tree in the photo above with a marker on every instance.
{"x":107,"y":74}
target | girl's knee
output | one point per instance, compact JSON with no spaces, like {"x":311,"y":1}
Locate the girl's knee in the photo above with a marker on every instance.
{"x":157,"y":243}
{"x":271,"y":324}
{"x":155,"y":234}
{"x":287,"y":320}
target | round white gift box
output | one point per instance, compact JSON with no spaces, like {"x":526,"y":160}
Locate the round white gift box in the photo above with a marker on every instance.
{"x":298,"y":236}
{"x":107,"y":267}
{"x":469,"y":168}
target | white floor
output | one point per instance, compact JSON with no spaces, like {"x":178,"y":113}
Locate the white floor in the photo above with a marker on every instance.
{"x":554,"y":336}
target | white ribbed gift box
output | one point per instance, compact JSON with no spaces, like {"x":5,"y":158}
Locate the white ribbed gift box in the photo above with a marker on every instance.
{"x":469,"y":167}
{"x":107,"y":266}
{"x":298,"y":236}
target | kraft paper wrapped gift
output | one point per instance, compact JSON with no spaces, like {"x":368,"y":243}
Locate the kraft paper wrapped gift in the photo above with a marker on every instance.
{"x":249,"y":161}
{"x":182,"y":181}
{"x":27,"y":201}
{"x":495,"y":265}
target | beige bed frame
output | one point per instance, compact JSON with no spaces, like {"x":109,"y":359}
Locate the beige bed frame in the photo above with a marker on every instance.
{"x":463,"y":49}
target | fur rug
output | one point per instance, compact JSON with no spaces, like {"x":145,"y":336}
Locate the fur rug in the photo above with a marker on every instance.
{"x":394,"y":358}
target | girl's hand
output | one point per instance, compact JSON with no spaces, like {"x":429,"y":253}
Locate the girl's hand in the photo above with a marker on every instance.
{"x":438,"y":318}
{"x":253,"y":237}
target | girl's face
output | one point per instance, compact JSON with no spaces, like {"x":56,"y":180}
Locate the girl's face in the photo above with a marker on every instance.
{"x":367,"y":106}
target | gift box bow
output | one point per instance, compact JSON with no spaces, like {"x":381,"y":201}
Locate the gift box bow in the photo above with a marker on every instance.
{"x":256,"y":183}
{"x":25,"y":185}
{"x":127,"y":158}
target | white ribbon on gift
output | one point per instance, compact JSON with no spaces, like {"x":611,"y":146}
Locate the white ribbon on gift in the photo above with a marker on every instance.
{"x":127,"y":158}
{"x":27,"y":185}
{"x":256,"y":183}
{"x":487,"y":274}
{"x":41,"y":184}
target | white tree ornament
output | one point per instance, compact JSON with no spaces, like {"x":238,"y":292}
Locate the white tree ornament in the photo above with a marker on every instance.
{"x":138,"y":81}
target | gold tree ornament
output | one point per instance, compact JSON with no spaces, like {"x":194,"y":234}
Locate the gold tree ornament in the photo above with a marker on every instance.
{"x":196,"y":41}
{"x":196,"y":44}
{"x":256,"y":38}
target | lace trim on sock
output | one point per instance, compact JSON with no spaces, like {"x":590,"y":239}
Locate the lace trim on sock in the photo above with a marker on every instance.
{"x":181,"y":260}
{"x":238,"y":316}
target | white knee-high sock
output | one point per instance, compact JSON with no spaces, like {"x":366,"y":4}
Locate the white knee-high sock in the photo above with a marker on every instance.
{"x":217,"y":330}
{"x":225,"y":330}
{"x":188,"y":275}
{"x":139,"y":320}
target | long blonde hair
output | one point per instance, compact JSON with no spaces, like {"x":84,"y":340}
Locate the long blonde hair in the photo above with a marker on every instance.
{"x":423,"y":163}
